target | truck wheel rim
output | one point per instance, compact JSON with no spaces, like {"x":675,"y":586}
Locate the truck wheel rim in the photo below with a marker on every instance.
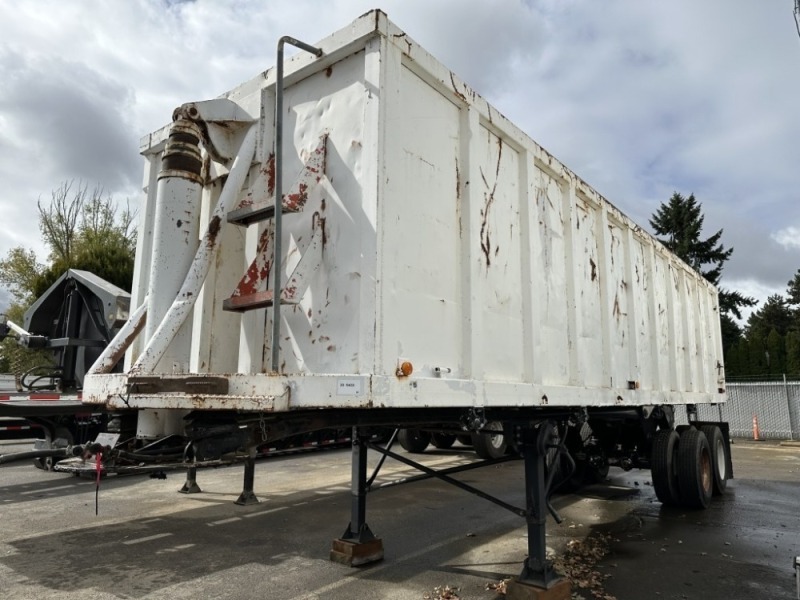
{"x":705,"y":471}
{"x":722,"y":463}
{"x":495,"y":439}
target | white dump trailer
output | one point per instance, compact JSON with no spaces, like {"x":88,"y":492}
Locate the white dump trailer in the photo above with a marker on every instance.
{"x":430,"y":267}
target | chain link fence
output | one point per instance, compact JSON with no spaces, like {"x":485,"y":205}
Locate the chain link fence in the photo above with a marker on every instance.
{"x":773,"y":401}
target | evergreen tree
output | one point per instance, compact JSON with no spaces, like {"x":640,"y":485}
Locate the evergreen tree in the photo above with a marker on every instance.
{"x":776,"y":353}
{"x":793,"y":291}
{"x":793,"y":353}
{"x":756,"y":356}
{"x":736,"y":359}
{"x":793,"y":335}
{"x":773,"y":314}
{"x":732,"y":335}
{"x":680,"y":223}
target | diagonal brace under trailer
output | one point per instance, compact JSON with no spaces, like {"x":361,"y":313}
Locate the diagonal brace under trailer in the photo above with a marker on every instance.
{"x":537,"y":443}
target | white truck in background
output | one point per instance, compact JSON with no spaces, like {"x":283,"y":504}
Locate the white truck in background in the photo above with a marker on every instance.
{"x":430,"y":267}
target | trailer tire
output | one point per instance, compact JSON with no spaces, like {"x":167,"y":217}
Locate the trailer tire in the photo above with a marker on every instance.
{"x":695,"y":469}
{"x":414,"y":440}
{"x":490,"y":445}
{"x":663,"y":463}
{"x":443,"y":441}
{"x":719,"y":457}
{"x":62,"y":433}
{"x":45,"y":464}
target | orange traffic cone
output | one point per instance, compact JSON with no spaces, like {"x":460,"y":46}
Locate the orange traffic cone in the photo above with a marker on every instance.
{"x":756,"y":432}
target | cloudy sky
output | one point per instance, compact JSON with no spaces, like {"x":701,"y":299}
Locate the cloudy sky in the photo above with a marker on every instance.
{"x":640,"y":98}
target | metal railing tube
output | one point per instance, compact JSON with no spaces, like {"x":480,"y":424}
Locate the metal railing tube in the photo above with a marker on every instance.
{"x":276,"y":260}
{"x":114,"y":351}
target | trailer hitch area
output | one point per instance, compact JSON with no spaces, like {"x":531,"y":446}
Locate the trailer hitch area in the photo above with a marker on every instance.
{"x":88,"y":451}
{"x":104,"y":444}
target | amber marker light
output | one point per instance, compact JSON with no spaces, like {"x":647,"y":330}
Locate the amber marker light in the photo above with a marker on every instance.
{"x":405,"y":369}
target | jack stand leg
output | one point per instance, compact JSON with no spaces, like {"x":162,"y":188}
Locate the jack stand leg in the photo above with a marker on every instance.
{"x":190,"y":485}
{"x":358,"y":545}
{"x":537,"y":581}
{"x":247,"y":496}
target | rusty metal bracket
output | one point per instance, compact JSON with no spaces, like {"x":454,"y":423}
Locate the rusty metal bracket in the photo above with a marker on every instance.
{"x":250,"y":293}
{"x":259,"y":203}
{"x":217,"y":120}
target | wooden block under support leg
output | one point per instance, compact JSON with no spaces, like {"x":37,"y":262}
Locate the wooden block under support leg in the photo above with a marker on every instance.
{"x":358,"y":545}
{"x":355,"y":554}
{"x":516,"y":590}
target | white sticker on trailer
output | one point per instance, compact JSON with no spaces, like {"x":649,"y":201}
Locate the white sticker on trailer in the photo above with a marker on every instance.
{"x":349,"y":387}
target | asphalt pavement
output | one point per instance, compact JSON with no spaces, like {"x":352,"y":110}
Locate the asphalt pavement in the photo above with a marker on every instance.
{"x":149,"y":542}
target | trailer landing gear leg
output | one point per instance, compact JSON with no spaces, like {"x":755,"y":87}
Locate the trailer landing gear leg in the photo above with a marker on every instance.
{"x":358,"y":546}
{"x":190,"y":485}
{"x":247,"y":496}
{"x":537,"y":581}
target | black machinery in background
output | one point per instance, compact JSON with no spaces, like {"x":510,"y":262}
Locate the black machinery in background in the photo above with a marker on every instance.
{"x":75,"y":319}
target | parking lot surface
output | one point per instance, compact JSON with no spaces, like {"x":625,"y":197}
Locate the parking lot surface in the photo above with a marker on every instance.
{"x":150,"y":542}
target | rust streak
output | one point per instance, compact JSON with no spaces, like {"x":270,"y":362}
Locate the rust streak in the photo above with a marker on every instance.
{"x":455,"y":89}
{"x":258,"y":271}
{"x":403,"y":37}
{"x":296,"y":201}
{"x":458,"y":181}
{"x":270,"y":173}
{"x":485,"y":234}
{"x":213,"y":228}
{"x":116,"y":356}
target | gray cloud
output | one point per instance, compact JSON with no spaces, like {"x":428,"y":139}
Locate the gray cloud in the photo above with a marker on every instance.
{"x":72,"y":118}
{"x":5,"y":300}
{"x":640,"y":99}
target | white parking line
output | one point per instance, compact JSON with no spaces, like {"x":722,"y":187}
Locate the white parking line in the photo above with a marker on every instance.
{"x":147,"y":539}
{"x":223,"y":521}
{"x":50,"y":489}
{"x":265,"y":512}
